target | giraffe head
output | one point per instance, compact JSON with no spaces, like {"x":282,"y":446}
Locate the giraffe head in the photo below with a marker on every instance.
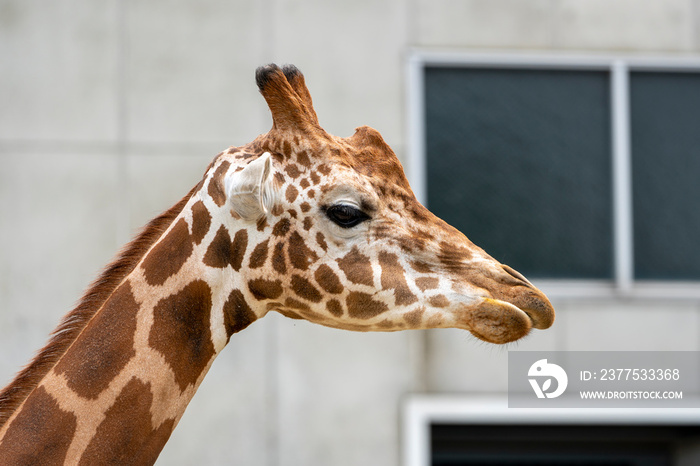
{"x":336,"y":236}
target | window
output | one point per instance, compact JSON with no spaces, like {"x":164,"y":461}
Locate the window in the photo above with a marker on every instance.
{"x":558,"y":444}
{"x":571,"y":170}
{"x":665,"y":129}
{"x":484,"y":431}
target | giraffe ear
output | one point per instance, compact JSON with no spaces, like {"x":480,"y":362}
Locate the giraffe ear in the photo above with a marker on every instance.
{"x":250,"y":191}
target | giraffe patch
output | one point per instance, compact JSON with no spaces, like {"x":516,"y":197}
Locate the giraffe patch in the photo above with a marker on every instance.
{"x":304,"y":289}
{"x":259,"y":255}
{"x":328,"y":280}
{"x":216,"y":189}
{"x":201,"y":221}
{"x":427,"y":283}
{"x":223,"y":252}
{"x":281,"y":228}
{"x":393,"y":277}
{"x":292,"y":170}
{"x":181,"y":333}
{"x":321,"y":241}
{"x":334,"y":307}
{"x":104,"y":347}
{"x":237,"y":314}
{"x":414,"y":318}
{"x":389,"y":324}
{"x":277,"y":210}
{"x":127,"y":436}
{"x":265,"y":289}
{"x":421,"y":267}
{"x":279,"y":263}
{"x":357,"y":268}
{"x":44,"y":426}
{"x":287,"y":149}
{"x":439,"y":301}
{"x":291,"y":193}
{"x":303,"y":159}
{"x":300,"y":256}
{"x":169,"y":255}
{"x":238,"y":247}
{"x":315,"y":178}
{"x":363,"y":306}
{"x":218,"y":252}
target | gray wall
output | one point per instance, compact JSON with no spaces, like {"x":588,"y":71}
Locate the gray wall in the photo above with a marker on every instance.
{"x":110,"y":111}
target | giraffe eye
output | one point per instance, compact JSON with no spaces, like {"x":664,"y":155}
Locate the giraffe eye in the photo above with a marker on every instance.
{"x":346,"y":216}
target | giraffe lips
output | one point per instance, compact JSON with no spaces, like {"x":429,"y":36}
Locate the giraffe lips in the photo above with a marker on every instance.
{"x":537,"y":307}
{"x":497,"y":321}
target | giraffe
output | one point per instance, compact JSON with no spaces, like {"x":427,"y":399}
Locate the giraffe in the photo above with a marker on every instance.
{"x":300,"y":222}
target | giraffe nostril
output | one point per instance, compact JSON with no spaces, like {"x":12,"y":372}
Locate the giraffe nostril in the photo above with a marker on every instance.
{"x":538,"y":308}
{"x":515,"y":274}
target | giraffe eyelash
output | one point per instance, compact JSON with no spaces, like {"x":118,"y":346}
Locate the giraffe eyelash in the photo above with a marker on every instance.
{"x":345,"y":215}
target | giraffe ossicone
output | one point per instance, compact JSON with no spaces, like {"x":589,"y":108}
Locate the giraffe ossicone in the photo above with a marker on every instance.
{"x":298,"y":221}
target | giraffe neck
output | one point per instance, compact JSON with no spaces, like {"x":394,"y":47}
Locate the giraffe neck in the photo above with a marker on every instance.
{"x":123,"y":383}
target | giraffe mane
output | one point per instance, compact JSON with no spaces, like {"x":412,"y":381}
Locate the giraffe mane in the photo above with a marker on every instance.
{"x":28,"y":378}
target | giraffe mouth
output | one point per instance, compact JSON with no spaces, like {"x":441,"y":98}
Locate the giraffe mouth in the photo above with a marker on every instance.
{"x":537,"y":307}
{"x":526,"y":297}
{"x":498,"y":321}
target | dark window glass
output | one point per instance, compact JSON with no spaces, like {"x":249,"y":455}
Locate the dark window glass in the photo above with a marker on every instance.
{"x":665,"y":121}
{"x":560,"y":445}
{"x":519,"y":161}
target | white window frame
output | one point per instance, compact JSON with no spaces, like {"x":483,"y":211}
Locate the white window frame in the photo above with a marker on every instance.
{"x":420,"y":411}
{"x":623,"y":283}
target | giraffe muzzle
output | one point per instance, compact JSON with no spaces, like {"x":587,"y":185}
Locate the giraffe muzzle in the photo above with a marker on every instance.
{"x":529,"y":299}
{"x":510,"y":308}
{"x":537,"y":307}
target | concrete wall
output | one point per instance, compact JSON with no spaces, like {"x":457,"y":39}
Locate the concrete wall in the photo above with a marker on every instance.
{"x":110,"y":111}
